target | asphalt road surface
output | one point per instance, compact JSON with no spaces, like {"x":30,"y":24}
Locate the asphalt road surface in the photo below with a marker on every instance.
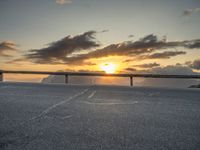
{"x":72,"y":117}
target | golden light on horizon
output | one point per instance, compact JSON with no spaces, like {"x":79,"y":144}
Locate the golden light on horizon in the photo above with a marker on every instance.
{"x":108,"y":67}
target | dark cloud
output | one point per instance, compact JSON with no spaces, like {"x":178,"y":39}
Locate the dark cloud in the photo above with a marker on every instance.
{"x":63,"y":50}
{"x":150,"y":65}
{"x":145,"y":45}
{"x":7,"y":46}
{"x":131,"y":35}
{"x":161,"y":55}
{"x":58,"y":51}
{"x":130,"y":69}
{"x":17,"y":61}
{"x":106,"y":30}
{"x":192,"y":44}
{"x":164,"y":55}
{"x":177,"y":69}
{"x":179,"y":64}
{"x":128,"y":60}
{"x":189,"y":12}
{"x":194,"y":65}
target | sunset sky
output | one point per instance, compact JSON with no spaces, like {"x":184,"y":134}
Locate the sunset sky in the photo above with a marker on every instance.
{"x":157,"y":36}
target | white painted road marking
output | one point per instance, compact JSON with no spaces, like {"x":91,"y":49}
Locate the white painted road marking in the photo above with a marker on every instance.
{"x":58,"y":117}
{"x":56,"y":105}
{"x":93,"y":103}
{"x":92,"y":94}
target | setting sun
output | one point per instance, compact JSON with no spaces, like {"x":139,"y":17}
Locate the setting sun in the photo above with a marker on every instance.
{"x":108,"y":67}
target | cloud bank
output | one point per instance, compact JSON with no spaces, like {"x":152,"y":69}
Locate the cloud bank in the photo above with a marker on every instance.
{"x":150,"y":65}
{"x":166,"y":70}
{"x":164,"y":55}
{"x":195,"y":64}
{"x":171,"y":69}
{"x":189,"y":12}
{"x":62,"y":2}
{"x":58,"y":51}
{"x":79,"y":49}
{"x":142,"y":48}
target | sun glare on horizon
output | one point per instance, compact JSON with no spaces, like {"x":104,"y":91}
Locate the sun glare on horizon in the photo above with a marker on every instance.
{"x":108,"y":67}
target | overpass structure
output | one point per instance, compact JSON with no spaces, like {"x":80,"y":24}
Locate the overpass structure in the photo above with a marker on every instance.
{"x":67,"y":74}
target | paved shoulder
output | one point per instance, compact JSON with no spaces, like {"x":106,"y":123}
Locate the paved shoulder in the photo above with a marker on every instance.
{"x":60,"y":117}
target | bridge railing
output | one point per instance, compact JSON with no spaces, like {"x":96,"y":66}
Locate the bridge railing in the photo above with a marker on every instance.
{"x":67,"y":74}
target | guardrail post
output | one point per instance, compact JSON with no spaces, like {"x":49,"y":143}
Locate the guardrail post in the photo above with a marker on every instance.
{"x":1,"y":76}
{"x":131,"y":80}
{"x":66,"y":78}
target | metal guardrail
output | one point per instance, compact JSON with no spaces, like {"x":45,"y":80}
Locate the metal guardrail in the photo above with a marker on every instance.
{"x":67,"y":74}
